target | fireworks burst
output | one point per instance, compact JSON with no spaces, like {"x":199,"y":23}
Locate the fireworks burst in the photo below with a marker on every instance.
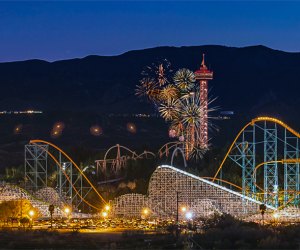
{"x":184,"y":80}
{"x":178,"y":102}
{"x":148,"y":88}
{"x":161,"y":72}
{"x":169,"y":110}
{"x":190,"y":110}
{"x":168,"y":93}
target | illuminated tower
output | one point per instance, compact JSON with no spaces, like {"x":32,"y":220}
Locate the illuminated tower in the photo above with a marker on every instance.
{"x":203,"y":75}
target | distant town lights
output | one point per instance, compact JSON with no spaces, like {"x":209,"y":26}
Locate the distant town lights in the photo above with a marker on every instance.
{"x":11,"y":112}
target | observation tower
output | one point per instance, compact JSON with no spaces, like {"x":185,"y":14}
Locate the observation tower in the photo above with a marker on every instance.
{"x":203,"y":75}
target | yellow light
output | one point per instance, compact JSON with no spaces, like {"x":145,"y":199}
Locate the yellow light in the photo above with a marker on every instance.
{"x":31,"y":213}
{"x":107,"y":207}
{"x":104,"y":214}
{"x":146,"y":211}
{"x":276,"y":215}
{"x":67,"y":210}
{"x":183,"y":209}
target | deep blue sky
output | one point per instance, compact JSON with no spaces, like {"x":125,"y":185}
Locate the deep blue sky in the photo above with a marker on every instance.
{"x":59,"y":30}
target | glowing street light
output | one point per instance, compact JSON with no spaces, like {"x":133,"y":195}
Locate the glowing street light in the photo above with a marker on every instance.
{"x":31,"y":214}
{"x":67,"y":210}
{"x":107,"y":207}
{"x":146,"y":211}
{"x":104,"y":214}
{"x":183,"y":209}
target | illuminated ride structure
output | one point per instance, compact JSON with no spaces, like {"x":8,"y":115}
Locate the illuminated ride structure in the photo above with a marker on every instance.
{"x":115,"y":162}
{"x":170,"y":189}
{"x":269,"y":146}
{"x":266,"y":152}
{"x":68,"y":179}
{"x":70,"y":182}
{"x":203,"y":75}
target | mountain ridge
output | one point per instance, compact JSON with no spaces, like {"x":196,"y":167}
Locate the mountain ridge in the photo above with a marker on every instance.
{"x":108,"y":82}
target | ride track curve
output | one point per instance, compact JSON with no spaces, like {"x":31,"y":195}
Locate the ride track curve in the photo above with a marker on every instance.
{"x":282,"y":161}
{"x":36,"y":142}
{"x":253,"y":121}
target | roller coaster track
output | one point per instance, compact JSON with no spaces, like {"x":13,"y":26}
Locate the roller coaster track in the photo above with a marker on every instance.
{"x":258,"y":119}
{"x":173,"y":147}
{"x":269,"y":160}
{"x":115,"y":164}
{"x":38,"y":142}
{"x":223,"y":181}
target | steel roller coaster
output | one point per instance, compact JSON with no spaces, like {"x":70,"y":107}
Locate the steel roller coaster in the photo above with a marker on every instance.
{"x":72,"y":183}
{"x":264,"y":143}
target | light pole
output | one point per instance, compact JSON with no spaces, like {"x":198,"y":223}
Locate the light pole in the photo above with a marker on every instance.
{"x":262,"y":208}
{"x":177,"y":213}
{"x":68,"y":212}
{"x":145,"y":213}
{"x":31,"y":214}
{"x":51,"y":210}
{"x":104,"y":214}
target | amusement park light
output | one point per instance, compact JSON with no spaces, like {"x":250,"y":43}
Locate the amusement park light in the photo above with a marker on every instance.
{"x":107,"y":207}
{"x":146,"y":211}
{"x":189,"y":215}
{"x":67,"y":210}
{"x":104,"y":214}
{"x":183,"y":209}
{"x":31,"y":213}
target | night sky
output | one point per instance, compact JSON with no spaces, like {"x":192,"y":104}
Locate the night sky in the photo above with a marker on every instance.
{"x":60,"y":30}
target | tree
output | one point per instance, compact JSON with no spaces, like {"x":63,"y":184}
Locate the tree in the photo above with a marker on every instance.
{"x":16,"y":209}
